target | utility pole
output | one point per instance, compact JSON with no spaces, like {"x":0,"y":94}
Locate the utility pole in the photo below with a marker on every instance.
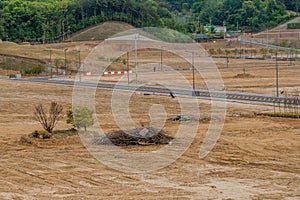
{"x":127,"y":62}
{"x":193,"y":67}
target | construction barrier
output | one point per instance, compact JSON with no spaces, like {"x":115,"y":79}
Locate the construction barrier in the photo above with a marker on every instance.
{"x":117,"y":72}
{"x":87,"y":73}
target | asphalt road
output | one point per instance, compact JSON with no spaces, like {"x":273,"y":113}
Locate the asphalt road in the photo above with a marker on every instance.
{"x":158,"y":90}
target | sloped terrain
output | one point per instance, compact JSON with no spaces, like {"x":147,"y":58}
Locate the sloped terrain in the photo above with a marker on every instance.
{"x":284,"y":25}
{"x":101,"y":31}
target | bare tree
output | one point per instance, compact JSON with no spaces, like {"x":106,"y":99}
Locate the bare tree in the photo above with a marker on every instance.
{"x":48,"y":121}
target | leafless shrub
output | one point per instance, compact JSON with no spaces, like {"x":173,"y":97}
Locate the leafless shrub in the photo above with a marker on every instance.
{"x":48,"y":121}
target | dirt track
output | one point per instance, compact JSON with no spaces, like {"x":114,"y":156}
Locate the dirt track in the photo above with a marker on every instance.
{"x":255,"y":157}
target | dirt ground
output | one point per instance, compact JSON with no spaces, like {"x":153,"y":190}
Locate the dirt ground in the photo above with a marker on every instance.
{"x":260,"y":76}
{"x":255,"y":157}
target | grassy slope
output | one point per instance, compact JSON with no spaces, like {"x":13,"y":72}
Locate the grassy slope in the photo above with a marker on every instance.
{"x":101,"y":31}
{"x":284,"y":25}
{"x":22,"y":56}
{"x":42,"y":52}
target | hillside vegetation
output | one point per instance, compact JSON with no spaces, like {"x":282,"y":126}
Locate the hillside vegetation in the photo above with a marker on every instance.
{"x":101,"y":31}
{"x":55,"y":20}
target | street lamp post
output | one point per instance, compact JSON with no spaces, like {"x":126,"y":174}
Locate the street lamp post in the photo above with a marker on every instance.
{"x":241,"y":38}
{"x":227,"y":59}
{"x":136,"y":57}
{"x":193,"y":67}
{"x":291,"y":57}
{"x":127,"y":62}
{"x":277,"y":75}
{"x":50,"y":63}
{"x":161,"y":59}
{"x":65,"y":50}
{"x":79,"y":63}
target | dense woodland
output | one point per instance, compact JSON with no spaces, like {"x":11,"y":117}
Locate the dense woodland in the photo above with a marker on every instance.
{"x":54,"y":20}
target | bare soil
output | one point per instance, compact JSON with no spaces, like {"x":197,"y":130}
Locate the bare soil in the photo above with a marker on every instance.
{"x":256,"y":157}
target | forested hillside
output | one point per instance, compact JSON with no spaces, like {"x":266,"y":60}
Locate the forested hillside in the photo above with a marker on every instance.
{"x":249,"y":15}
{"x":49,"y":20}
{"x":54,"y":20}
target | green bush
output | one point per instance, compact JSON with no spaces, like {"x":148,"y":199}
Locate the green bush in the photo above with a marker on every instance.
{"x":45,"y":134}
{"x":41,"y":134}
{"x":293,"y":26}
{"x":33,"y":70}
{"x":35,"y":134}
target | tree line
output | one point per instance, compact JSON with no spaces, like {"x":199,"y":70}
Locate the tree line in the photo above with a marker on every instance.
{"x":54,"y":20}
{"x":245,"y":15}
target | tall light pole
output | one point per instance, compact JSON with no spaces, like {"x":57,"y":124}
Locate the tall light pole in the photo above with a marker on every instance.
{"x":161,"y":59}
{"x":241,"y":37}
{"x":193,"y":67}
{"x":136,"y":56}
{"x":127,"y":62}
{"x":224,"y":28}
{"x":79,"y":63}
{"x":65,"y":50}
{"x":227,"y":59}
{"x":268,"y":38}
{"x":277,"y":75}
{"x":50,"y":63}
{"x":290,"y":57}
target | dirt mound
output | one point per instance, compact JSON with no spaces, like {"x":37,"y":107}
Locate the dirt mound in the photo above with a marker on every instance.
{"x":137,"y":136}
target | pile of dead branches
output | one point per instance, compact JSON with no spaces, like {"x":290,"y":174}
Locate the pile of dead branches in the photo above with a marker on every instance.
{"x":137,"y":136}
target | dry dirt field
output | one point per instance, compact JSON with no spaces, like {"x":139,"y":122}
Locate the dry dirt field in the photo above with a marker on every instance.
{"x":255,"y":157}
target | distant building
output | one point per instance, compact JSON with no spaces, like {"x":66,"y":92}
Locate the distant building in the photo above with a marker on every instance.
{"x":220,"y":29}
{"x":217,"y":29}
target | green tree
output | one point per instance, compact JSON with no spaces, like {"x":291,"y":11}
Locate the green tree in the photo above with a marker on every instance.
{"x":81,"y":117}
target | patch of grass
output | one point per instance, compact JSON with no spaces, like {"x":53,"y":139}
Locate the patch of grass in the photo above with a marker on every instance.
{"x":56,"y":134}
{"x":284,"y":115}
{"x":65,"y":132}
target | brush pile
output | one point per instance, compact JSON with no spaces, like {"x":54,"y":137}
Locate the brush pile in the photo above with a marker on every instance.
{"x":137,"y":136}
